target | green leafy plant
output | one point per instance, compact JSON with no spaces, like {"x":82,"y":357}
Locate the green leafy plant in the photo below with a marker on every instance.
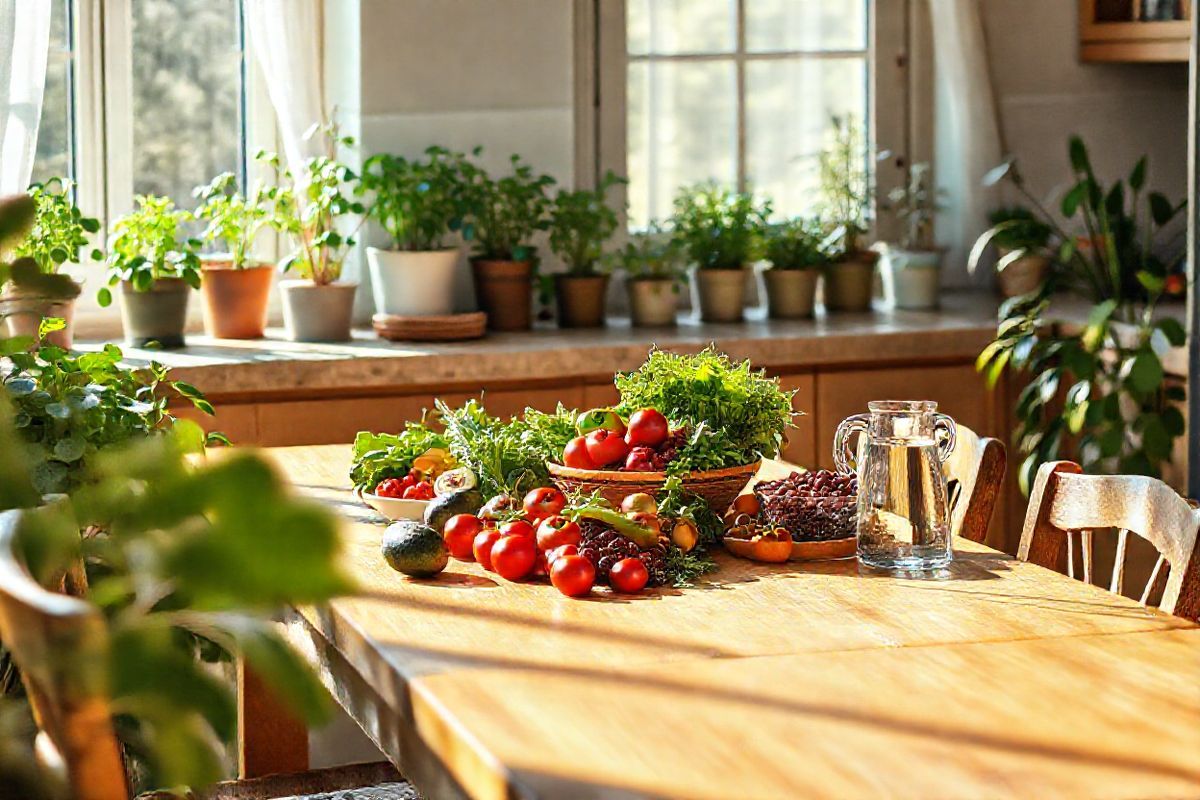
{"x":1018,"y":228}
{"x":148,"y":245}
{"x":1118,"y":413}
{"x":496,"y":450}
{"x":60,"y":231}
{"x":796,"y":244}
{"x":378,"y":456}
{"x":652,"y":255}
{"x":419,"y":201}
{"x":581,"y":221}
{"x":915,"y":204}
{"x":719,"y":228}
{"x":18,"y":214}
{"x":233,"y":218}
{"x":846,"y":184}
{"x":504,"y":214}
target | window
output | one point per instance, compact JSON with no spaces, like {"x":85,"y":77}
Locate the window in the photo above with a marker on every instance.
{"x":55,"y":154}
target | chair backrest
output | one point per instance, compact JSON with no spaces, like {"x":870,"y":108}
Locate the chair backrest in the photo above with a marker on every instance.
{"x":1065,"y":502}
{"x":66,"y":694}
{"x":974,"y":477}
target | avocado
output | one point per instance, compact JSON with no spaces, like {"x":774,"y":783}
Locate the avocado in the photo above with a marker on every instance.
{"x":443,"y":508}
{"x":414,"y":549}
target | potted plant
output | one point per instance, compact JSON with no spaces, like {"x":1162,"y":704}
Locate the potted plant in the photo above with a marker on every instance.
{"x":912,"y":270}
{"x":155,"y":269}
{"x":654,"y":269}
{"x":503,"y":216}
{"x":721,"y":231}
{"x":795,"y":251}
{"x":234,"y":286}
{"x":317,"y":307}
{"x":845,"y":199}
{"x":417,"y":203}
{"x":580,"y":223}
{"x":58,"y":235}
{"x":1022,"y":241}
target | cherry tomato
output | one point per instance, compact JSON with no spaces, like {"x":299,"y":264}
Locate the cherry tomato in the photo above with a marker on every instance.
{"x":605,"y":447}
{"x":573,"y":575}
{"x":419,"y":491}
{"x":554,"y":532}
{"x":389,"y":487}
{"x":518,"y":527}
{"x":485,"y":540}
{"x":543,"y":502}
{"x":576,"y":455}
{"x":600,"y":418}
{"x":647,"y":427}
{"x":460,"y":532}
{"x":628,"y":575}
{"x":513,"y":557}
{"x":541,"y":567}
{"x":560,"y":551}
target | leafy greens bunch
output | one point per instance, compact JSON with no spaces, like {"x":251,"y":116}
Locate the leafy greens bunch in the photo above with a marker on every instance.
{"x":378,"y":456}
{"x":504,"y":459}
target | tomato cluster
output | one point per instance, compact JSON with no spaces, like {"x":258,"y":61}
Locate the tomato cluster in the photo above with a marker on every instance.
{"x":605,"y":440}
{"x":411,"y":487}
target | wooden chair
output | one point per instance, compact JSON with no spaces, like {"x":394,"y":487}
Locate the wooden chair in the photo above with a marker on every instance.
{"x":1065,"y":502}
{"x":974,"y":477}
{"x":76,"y":738}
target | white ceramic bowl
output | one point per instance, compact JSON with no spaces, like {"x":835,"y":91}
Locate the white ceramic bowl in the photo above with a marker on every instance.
{"x":394,"y":507}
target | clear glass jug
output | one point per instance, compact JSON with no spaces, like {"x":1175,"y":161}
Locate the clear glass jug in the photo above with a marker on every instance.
{"x":903,"y":514}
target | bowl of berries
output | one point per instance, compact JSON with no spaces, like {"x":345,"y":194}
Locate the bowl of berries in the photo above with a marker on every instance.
{"x":817,"y":510}
{"x":400,"y":498}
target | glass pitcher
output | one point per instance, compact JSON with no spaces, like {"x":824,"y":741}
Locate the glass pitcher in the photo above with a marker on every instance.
{"x":903,"y":514}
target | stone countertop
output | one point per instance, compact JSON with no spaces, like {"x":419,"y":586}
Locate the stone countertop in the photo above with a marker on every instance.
{"x":273,"y":365}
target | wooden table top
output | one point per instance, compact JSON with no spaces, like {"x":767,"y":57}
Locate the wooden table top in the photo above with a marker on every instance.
{"x":992,"y":679}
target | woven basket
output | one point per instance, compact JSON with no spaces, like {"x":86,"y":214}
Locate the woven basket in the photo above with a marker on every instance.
{"x":718,"y":487}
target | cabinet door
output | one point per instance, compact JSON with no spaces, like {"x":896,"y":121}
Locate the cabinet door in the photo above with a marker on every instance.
{"x":800,"y":446}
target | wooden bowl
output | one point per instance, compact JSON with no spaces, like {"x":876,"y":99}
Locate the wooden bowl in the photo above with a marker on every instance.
{"x":439,"y":328}
{"x":717,"y":487}
{"x":800,"y":551}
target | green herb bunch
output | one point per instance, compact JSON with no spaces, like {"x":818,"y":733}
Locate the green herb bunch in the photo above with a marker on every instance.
{"x":652,"y":255}
{"x":581,"y":221}
{"x":719,"y":228}
{"x":149,"y":245}
{"x":796,"y":244}
{"x":378,"y":456}
{"x":496,"y":450}
{"x":419,"y":201}
{"x":505,"y":213}
{"x":60,"y":230}
{"x":544,"y":435}
{"x":846,"y":183}
{"x":233,"y":218}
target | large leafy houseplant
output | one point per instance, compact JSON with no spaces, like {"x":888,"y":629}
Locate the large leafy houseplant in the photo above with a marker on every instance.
{"x":1098,"y":389}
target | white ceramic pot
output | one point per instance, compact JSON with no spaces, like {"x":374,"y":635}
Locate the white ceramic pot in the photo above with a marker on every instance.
{"x":313,"y":313}
{"x":913,"y":277}
{"x":412,"y":283}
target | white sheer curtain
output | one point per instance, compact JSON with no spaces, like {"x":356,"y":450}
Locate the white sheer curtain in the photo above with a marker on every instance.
{"x":24,"y":46}
{"x":967,"y":130}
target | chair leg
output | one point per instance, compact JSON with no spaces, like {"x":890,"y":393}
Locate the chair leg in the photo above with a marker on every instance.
{"x":270,"y":739}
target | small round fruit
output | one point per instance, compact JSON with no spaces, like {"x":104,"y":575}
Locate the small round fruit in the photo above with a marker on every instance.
{"x":747,"y":504}
{"x":485,"y":540}
{"x":556,"y":531}
{"x":639,"y":459}
{"x":573,"y":575}
{"x":560,"y":551}
{"x":647,"y":427}
{"x":455,"y":480}
{"x":513,"y":557}
{"x":685,"y":535}
{"x":518,"y":527}
{"x":460,"y":533}
{"x":543,"y":502}
{"x":639,"y":501}
{"x":576,"y":455}
{"x":628,"y":575}
{"x":605,"y":447}
{"x":390,"y":487}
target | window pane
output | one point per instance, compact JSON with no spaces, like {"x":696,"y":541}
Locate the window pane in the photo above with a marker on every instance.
{"x":682,"y":129}
{"x":681,"y":26}
{"x":53,"y":155}
{"x":806,"y":25}
{"x":187,"y":95}
{"x":788,"y":106}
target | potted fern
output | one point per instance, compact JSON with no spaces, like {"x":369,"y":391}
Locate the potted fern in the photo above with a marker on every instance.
{"x":845,"y":200}
{"x":58,"y":236}
{"x":234,"y":286}
{"x":912,"y":269}
{"x":154,"y":267}
{"x":721,"y":231}
{"x":417,"y":203}
{"x":795,"y":252}
{"x":654,"y":269}
{"x":581,"y":222}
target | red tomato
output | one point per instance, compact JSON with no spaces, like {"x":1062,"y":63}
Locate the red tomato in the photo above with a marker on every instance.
{"x":389,"y":487}
{"x":560,"y":551}
{"x":518,"y":527}
{"x":460,"y":533}
{"x":543,"y":502}
{"x":485,"y":540}
{"x":572,"y":575}
{"x":556,"y":531}
{"x":576,"y":455}
{"x":419,"y":491}
{"x":513,"y":557}
{"x":628,"y":575}
{"x":605,"y":447}
{"x":647,"y":427}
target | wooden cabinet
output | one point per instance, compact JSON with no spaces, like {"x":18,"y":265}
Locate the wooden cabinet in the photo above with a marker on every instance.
{"x":1129,"y":31}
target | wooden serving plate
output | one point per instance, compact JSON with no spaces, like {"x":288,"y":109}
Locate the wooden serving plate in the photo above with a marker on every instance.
{"x":441,"y":328}
{"x":801,"y":551}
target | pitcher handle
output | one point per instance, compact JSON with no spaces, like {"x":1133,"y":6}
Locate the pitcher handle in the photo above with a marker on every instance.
{"x":945,"y":424}
{"x":842,"y":457}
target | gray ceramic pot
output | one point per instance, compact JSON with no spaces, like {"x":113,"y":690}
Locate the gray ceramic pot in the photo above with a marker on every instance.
{"x":158,"y":314}
{"x":850,"y":283}
{"x":652,"y":302}
{"x":791,"y":293}
{"x":720,"y":294}
{"x":313,"y":313}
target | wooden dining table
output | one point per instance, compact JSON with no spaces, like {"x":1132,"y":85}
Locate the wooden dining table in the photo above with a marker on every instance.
{"x":991,"y":678}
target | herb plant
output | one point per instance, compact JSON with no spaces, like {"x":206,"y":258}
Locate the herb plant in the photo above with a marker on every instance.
{"x":915,"y":204}
{"x":581,"y":221}
{"x":652,"y":255}
{"x":17,"y":217}
{"x":1017,"y":228}
{"x":148,"y":245}
{"x":504,"y":214}
{"x":719,"y":228}
{"x":233,"y":218}
{"x":503,"y":459}
{"x":846,"y":183}
{"x":378,"y":456}
{"x":417,"y":202}
{"x":796,"y":244}
{"x":60,"y":230}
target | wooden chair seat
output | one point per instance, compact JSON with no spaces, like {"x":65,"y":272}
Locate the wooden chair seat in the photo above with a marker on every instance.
{"x":974,"y":478}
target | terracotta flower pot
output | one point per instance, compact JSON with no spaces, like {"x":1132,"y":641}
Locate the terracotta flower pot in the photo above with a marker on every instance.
{"x":504,"y":289}
{"x":791,"y":293}
{"x":25,"y":311}
{"x":652,"y":302}
{"x":235,"y":300}
{"x":412,"y":283}
{"x":850,"y":283}
{"x":158,"y":314}
{"x":581,"y":300}
{"x":1022,"y":276}
{"x":720,"y":294}
{"x":317,"y":313}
